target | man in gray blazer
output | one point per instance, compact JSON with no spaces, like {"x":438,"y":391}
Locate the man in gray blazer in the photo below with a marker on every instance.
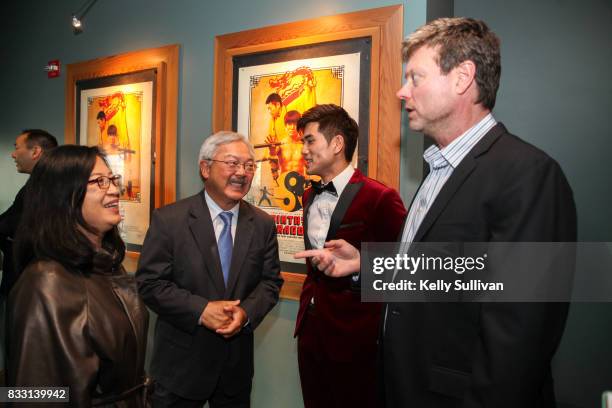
{"x":209,"y":268}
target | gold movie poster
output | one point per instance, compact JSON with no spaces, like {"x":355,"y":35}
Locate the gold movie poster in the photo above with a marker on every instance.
{"x":271,"y":99}
{"x":118,"y":120}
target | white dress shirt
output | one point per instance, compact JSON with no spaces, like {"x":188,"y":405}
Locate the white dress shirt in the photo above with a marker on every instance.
{"x":323,"y":206}
{"x":218,"y":224}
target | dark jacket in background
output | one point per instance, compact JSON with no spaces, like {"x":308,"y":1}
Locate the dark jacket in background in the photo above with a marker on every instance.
{"x":9,"y":220}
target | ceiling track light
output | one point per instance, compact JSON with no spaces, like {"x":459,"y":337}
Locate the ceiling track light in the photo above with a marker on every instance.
{"x":77,"y":16}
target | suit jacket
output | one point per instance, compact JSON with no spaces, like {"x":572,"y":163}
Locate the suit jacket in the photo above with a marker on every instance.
{"x":179,"y":272}
{"x":484,"y":354}
{"x":367,"y":211}
{"x":9,"y":220}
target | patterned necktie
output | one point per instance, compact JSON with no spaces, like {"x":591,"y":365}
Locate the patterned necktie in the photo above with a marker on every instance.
{"x":226,"y":244}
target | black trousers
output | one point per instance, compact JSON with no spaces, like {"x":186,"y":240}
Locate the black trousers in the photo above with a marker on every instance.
{"x":164,"y":398}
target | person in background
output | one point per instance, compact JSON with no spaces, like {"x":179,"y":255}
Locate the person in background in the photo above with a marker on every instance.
{"x":30,"y":146}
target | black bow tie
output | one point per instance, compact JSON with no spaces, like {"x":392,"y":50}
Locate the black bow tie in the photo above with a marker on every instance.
{"x":319,"y":187}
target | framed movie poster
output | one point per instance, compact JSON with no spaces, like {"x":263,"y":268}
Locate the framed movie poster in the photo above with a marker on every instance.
{"x":127,"y":105}
{"x":116,"y":114}
{"x":274,"y":90}
{"x":265,"y":79}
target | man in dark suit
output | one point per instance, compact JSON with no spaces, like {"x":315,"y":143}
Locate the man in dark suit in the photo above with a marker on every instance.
{"x":30,"y":145}
{"x":484,"y":185}
{"x":209,"y":268}
{"x":336,"y":332}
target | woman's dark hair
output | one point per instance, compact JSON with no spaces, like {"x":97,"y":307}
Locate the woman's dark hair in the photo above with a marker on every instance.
{"x":52,"y":222}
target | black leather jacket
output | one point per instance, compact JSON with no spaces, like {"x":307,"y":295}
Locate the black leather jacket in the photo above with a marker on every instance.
{"x":86,"y":331}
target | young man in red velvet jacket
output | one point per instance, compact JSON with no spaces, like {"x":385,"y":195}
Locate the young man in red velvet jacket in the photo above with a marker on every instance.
{"x":337,"y":332}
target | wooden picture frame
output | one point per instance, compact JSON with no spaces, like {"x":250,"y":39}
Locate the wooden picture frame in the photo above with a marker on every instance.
{"x":384,"y":26}
{"x":163,"y":63}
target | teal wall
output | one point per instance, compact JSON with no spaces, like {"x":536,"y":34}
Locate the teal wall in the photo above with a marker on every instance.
{"x":555,"y":92}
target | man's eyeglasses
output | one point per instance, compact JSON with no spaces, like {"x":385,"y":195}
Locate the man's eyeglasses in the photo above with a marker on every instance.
{"x":104,"y":181}
{"x":249,"y":167}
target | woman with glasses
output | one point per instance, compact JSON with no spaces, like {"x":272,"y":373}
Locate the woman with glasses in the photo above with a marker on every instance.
{"x":75,"y":319}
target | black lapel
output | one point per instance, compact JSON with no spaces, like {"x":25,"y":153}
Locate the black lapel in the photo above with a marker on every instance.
{"x":310,"y":197}
{"x":344,"y":202}
{"x":468,"y":164}
{"x":203,"y":232}
{"x":242,"y":242}
{"x":460,"y":174}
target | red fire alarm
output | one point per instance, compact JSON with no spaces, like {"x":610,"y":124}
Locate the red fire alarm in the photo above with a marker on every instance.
{"x":53,"y":69}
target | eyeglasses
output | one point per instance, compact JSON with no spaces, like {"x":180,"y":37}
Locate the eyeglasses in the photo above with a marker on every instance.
{"x":249,"y":167}
{"x":104,"y":181}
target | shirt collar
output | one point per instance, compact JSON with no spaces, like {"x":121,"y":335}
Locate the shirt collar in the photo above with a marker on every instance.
{"x":342,"y":179}
{"x":215,"y":210}
{"x":456,"y":151}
